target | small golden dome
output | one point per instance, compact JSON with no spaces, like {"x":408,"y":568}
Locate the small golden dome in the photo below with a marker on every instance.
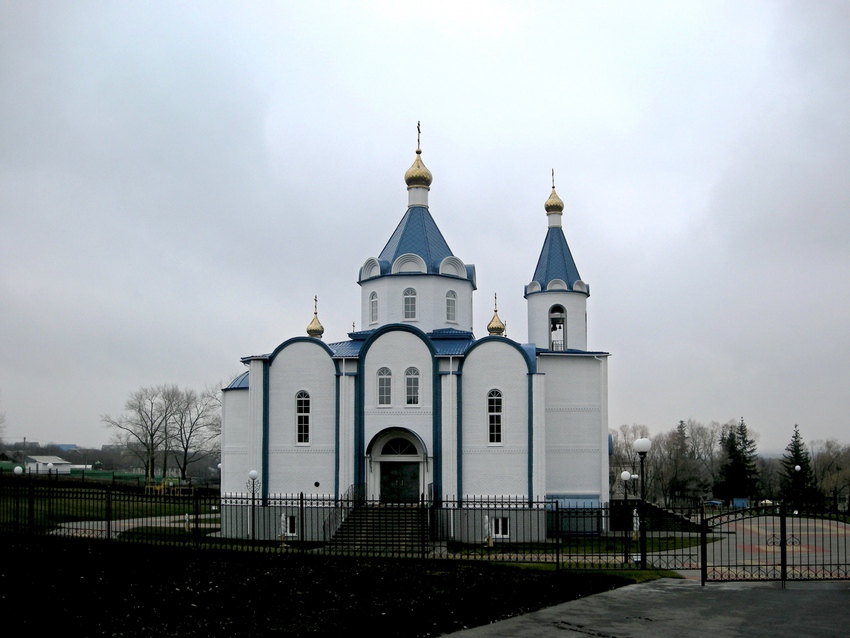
{"x":495,"y":327}
{"x":554,"y":204}
{"x":418,"y":174}
{"x":315,"y":329}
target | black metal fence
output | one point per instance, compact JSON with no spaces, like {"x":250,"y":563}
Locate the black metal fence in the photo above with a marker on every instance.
{"x":775,"y":542}
{"x":620,"y":535}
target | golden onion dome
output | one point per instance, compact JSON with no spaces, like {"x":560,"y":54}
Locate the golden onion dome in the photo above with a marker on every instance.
{"x":315,"y":329}
{"x":418,"y":174}
{"x":495,"y":327}
{"x":554,"y":204}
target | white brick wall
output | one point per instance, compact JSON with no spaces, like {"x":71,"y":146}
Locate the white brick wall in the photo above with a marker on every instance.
{"x":431,"y":301}
{"x":489,"y":469}
{"x":576,"y":425}
{"x":293,"y":467}
{"x":235,"y":437}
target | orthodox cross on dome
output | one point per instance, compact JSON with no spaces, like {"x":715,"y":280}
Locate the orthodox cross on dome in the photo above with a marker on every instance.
{"x":315,"y":329}
{"x":418,"y":176}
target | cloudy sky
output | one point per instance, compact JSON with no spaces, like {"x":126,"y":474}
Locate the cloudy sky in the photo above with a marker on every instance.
{"x":178,"y":180}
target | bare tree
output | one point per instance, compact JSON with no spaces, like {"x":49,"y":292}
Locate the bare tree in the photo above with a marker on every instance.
{"x":196,"y":427}
{"x":624,"y":457}
{"x":831,"y":466}
{"x":705,"y":447}
{"x":143,"y":428}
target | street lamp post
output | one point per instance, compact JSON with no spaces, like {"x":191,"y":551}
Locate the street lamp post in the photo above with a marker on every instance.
{"x":642,"y":447}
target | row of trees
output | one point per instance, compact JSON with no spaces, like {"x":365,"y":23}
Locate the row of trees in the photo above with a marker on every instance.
{"x":694,"y":461}
{"x":166,"y":422}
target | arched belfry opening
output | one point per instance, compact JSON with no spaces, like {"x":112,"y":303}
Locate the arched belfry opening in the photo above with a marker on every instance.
{"x":397,"y":466}
{"x":557,"y":328}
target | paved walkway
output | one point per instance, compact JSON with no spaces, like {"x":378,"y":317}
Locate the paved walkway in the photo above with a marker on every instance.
{"x":674,"y":608}
{"x":97,"y":529}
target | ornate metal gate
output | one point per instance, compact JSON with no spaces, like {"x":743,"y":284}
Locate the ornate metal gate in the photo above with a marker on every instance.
{"x":775,"y":542}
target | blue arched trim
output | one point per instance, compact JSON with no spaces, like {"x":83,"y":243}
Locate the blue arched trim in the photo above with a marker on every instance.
{"x":400,"y":430}
{"x":360,"y":417}
{"x":264,"y":472}
{"x":312,"y":340}
{"x":336,"y":436}
{"x":529,"y":362}
{"x":459,"y":417}
{"x":530,"y":439}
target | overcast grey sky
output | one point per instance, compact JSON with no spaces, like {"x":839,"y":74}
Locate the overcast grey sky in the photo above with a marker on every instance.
{"x":177,"y":180}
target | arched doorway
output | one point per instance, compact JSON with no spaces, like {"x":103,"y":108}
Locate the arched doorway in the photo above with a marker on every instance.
{"x":397,"y":463}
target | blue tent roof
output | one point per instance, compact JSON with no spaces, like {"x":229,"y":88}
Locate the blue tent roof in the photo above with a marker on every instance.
{"x":556,"y":261}
{"x":417,"y":233}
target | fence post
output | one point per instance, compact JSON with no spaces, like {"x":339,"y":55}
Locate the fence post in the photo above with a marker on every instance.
{"x":422,"y":525}
{"x":196,"y":502}
{"x":31,"y":507}
{"x":109,"y":512}
{"x":783,"y":550}
{"x":703,"y":547}
{"x":302,"y":511}
{"x":558,"y":533}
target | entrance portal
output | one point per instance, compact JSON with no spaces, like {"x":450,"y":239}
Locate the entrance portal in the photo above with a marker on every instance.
{"x":399,"y":482}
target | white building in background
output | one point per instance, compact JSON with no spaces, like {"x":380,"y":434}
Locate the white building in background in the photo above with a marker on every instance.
{"x":413,"y":403}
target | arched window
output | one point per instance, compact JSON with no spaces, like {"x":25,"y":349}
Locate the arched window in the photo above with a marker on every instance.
{"x":451,"y":306}
{"x":385,"y":387}
{"x":398,"y":447}
{"x":373,"y":308}
{"x":302,"y":417}
{"x":411,"y":385}
{"x":557,"y":328}
{"x":494,"y":416}
{"x":409,"y":304}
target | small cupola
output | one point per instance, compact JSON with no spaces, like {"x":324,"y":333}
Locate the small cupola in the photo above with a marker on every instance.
{"x":315,"y":329}
{"x":496,"y":328}
{"x":554,"y":206}
{"x":418,"y":178}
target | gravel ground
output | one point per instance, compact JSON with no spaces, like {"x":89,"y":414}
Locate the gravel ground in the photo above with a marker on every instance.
{"x":89,"y":588}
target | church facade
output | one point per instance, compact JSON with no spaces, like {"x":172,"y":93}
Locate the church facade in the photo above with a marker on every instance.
{"x":413,"y":406}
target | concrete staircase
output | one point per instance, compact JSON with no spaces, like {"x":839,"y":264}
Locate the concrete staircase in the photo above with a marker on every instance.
{"x":391,"y":530}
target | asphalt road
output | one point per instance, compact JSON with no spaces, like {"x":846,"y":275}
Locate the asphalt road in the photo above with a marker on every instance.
{"x":673,"y":608}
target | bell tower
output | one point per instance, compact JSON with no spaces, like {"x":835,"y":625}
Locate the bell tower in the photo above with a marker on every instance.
{"x":556,"y":296}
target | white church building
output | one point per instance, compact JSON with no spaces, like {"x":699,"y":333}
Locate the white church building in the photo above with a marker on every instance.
{"x":413,"y":405}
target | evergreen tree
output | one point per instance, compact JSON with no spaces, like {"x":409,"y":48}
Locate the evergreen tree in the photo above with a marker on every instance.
{"x":797,"y":487}
{"x":738,"y":475}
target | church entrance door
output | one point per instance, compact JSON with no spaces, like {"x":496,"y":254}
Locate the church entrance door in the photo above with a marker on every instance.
{"x":399,"y":481}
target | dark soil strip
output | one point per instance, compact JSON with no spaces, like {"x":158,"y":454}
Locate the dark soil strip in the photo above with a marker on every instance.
{"x":89,"y":588}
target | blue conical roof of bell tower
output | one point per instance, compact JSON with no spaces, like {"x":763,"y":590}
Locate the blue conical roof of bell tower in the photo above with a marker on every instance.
{"x":556,"y":261}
